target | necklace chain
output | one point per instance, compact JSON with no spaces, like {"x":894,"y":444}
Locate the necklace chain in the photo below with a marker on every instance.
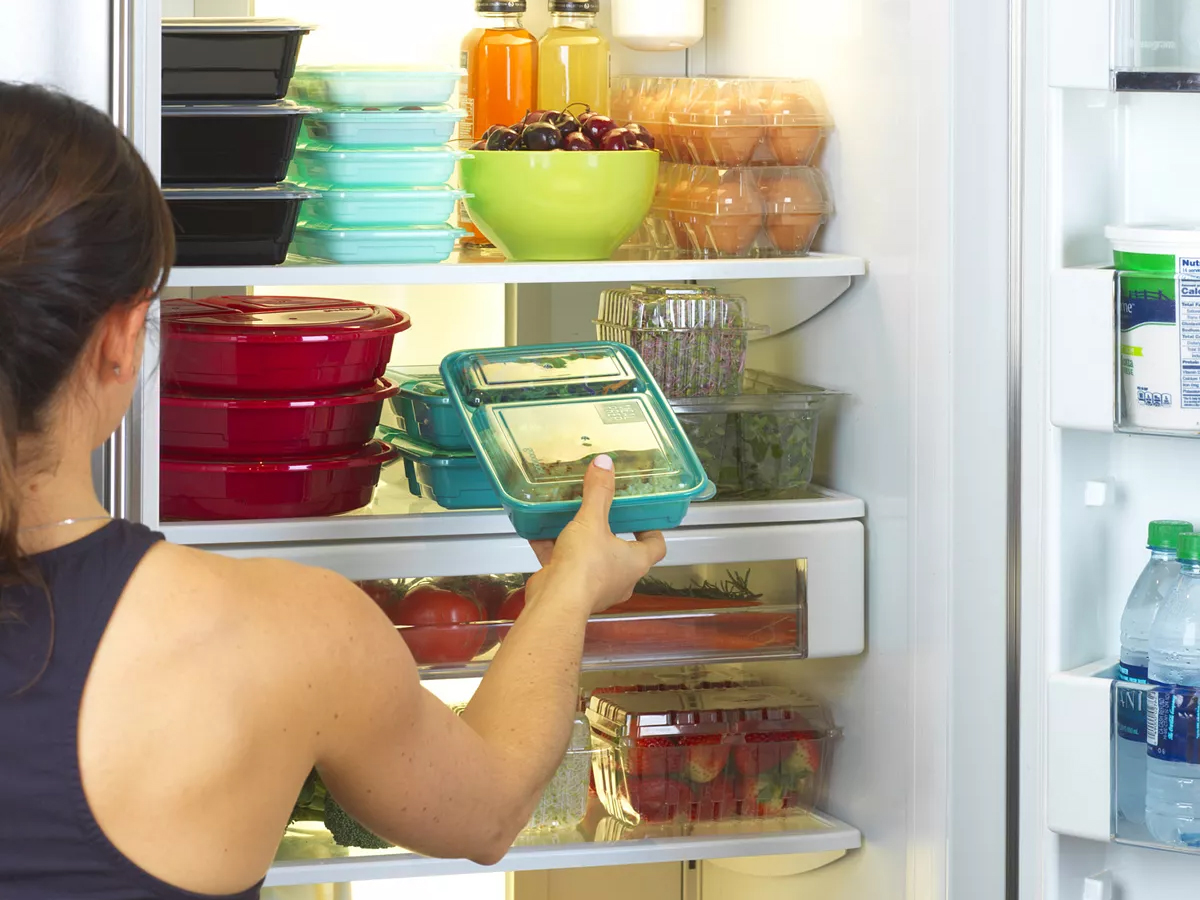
{"x":65,"y":522}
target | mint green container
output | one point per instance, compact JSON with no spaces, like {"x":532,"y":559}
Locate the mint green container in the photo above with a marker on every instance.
{"x":349,"y":207}
{"x":375,"y":85}
{"x":426,"y":127}
{"x":346,"y":167}
{"x":453,"y":479}
{"x":367,"y":246}
{"x":537,"y":416}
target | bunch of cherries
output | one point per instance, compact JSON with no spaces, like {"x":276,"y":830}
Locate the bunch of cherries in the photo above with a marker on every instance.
{"x":547,"y":129}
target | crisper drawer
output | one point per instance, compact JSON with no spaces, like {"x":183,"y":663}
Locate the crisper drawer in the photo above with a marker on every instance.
{"x":722,"y":594}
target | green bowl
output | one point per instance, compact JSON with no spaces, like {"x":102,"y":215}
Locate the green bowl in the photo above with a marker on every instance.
{"x":559,"y":205}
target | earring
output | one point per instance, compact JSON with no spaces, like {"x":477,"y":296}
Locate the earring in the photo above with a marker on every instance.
{"x":117,"y":370}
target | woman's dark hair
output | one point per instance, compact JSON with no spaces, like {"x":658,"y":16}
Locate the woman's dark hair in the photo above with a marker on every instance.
{"x":83,"y":229}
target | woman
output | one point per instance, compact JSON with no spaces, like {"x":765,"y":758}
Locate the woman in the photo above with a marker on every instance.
{"x":160,"y":707}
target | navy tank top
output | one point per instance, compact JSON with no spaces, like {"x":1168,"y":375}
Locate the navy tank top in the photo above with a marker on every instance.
{"x":51,"y":847}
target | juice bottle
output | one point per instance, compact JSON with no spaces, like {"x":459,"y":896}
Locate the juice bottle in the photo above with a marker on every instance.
{"x":500,"y":57}
{"x":573,"y":58}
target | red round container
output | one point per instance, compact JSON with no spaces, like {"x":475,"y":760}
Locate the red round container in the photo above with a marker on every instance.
{"x":208,"y":427}
{"x":275,"y":345}
{"x":206,"y":489}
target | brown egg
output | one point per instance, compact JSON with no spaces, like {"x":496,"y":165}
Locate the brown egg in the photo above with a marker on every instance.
{"x":736,"y":220}
{"x":791,"y":193}
{"x":793,"y":130}
{"x":795,"y":212}
{"x":726,"y":130}
{"x":793,"y":233}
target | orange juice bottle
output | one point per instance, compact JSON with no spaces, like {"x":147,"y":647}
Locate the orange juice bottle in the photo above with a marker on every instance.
{"x":500,"y":57}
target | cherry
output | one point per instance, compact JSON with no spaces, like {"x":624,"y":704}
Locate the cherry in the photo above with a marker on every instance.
{"x":596,"y":127}
{"x":487,"y":134}
{"x":566,"y":123}
{"x":538,"y":115}
{"x":503,"y":139}
{"x":479,"y":145}
{"x":638,"y":145}
{"x":618,"y":139}
{"x":542,"y":136}
{"x":577,"y":140}
{"x":642,"y":135}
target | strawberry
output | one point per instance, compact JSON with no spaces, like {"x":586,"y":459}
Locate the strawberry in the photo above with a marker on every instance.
{"x":804,"y":760}
{"x":706,"y":757}
{"x":715,"y":800}
{"x":653,"y":756}
{"x":659,"y":800}
{"x":761,"y":754}
{"x":766,"y":795}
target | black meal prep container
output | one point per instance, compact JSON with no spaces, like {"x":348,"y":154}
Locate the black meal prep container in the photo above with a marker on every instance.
{"x":233,"y":225}
{"x":229,"y":143}
{"x":229,"y":59}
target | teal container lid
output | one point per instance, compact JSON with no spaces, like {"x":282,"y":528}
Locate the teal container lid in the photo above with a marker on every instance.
{"x":1164,"y":533}
{"x":420,"y":451}
{"x":537,"y":416}
{"x":399,"y":153}
{"x":1189,"y":547}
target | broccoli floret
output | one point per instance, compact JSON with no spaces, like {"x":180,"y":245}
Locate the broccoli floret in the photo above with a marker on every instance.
{"x":310,"y":805}
{"x":347,"y":832}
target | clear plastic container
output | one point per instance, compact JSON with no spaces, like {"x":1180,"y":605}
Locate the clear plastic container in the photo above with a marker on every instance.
{"x":692,"y":339}
{"x":761,"y":443}
{"x":425,"y":411}
{"x":229,"y":143}
{"x":431,"y":126}
{"x":761,"y":211}
{"x":1156,"y":45}
{"x":709,"y":755}
{"x":350,"y":207}
{"x":565,"y":800}
{"x":414,"y":244}
{"x":230,"y":58}
{"x":453,"y":479}
{"x":375,"y":85}
{"x":537,"y":416}
{"x":347,"y":167}
{"x":234,"y":225}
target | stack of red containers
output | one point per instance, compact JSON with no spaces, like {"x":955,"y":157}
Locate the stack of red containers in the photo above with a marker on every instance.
{"x":270,"y":404}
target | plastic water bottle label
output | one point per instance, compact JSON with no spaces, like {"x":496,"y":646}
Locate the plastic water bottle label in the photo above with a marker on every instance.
{"x":1136,"y":674}
{"x":1173,"y":724}
{"x":1131,"y":710}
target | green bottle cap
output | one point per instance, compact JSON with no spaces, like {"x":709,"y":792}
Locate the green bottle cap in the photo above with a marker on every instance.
{"x":1164,"y":533}
{"x":1189,"y":547}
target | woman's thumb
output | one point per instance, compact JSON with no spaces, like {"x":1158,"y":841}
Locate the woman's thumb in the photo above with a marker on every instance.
{"x":598,"y":486}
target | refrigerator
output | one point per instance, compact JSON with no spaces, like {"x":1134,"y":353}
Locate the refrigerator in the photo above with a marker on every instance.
{"x":961,"y":571}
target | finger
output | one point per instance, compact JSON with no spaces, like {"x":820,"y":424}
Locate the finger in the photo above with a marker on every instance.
{"x":543,"y":551}
{"x":598,"y":486}
{"x":654,"y":545}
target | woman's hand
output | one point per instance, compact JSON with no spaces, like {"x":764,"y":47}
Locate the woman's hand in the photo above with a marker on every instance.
{"x":588,"y":557}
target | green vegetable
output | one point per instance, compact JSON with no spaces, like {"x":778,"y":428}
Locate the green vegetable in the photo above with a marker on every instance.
{"x":564,"y":804}
{"x":310,"y":805}
{"x":347,"y":832}
{"x":736,"y":586}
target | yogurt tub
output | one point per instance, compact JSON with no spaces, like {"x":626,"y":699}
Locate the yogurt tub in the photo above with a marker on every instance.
{"x":1158,"y":295}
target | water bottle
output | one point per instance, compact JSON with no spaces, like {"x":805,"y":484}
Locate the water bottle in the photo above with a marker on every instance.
{"x":1172,"y":724}
{"x":1155,"y":582}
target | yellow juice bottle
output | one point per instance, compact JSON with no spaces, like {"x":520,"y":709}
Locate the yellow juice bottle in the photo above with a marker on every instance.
{"x":573,"y":58}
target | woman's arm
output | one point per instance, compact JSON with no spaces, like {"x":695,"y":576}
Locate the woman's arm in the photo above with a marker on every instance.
{"x":398,"y":760}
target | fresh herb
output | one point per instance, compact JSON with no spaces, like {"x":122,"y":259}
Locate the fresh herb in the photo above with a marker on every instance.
{"x":735,"y":586}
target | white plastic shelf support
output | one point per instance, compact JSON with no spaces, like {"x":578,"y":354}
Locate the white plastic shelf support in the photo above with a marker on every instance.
{"x":1079,"y":752}
{"x":1082,"y":349}
{"x":1080,"y":40}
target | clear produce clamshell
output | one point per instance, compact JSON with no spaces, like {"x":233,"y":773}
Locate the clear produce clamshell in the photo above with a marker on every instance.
{"x":710,"y":754}
{"x":759,"y":443}
{"x":692,"y":339}
{"x":726,"y":121}
{"x":1156,"y":45}
{"x":710,"y":212}
{"x":538,"y":415}
{"x":229,"y":58}
{"x":564,"y":803}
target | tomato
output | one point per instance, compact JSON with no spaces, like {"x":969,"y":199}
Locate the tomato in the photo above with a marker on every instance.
{"x":513,"y":605}
{"x":442,"y":625}
{"x":491,"y":592}
{"x":382,"y":592}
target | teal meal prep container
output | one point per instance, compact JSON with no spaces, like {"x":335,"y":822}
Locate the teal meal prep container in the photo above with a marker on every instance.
{"x":425,"y":411}
{"x":350,"y":207}
{"x":375,"y":85}
{"x":536,"y":417}
{"x":350,"y":167}
{"x":366,"y":245}
{"x":432,"y":126}
{"x":453,"y":479}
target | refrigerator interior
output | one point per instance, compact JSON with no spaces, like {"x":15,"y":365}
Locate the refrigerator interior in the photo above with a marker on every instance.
{"x":918,"y":167}
{"x":1096,"y":157}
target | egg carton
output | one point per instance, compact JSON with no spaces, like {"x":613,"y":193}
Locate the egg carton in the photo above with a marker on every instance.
{"x":726,"y":121}
{"x":703,"y":212}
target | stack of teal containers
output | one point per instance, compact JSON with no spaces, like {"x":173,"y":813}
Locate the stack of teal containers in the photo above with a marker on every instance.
{"x":379,"y":159}
{"x":438,"y":459}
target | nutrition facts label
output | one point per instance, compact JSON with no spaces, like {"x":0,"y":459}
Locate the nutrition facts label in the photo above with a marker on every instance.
{"x":1188,"y":291}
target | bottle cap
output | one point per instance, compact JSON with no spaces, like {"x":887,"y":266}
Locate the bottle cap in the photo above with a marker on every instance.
{"x":500,"y":6}
{"x":575,"y":6}
{"x":1165,"y":532}
{"x":1189,"y":547}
